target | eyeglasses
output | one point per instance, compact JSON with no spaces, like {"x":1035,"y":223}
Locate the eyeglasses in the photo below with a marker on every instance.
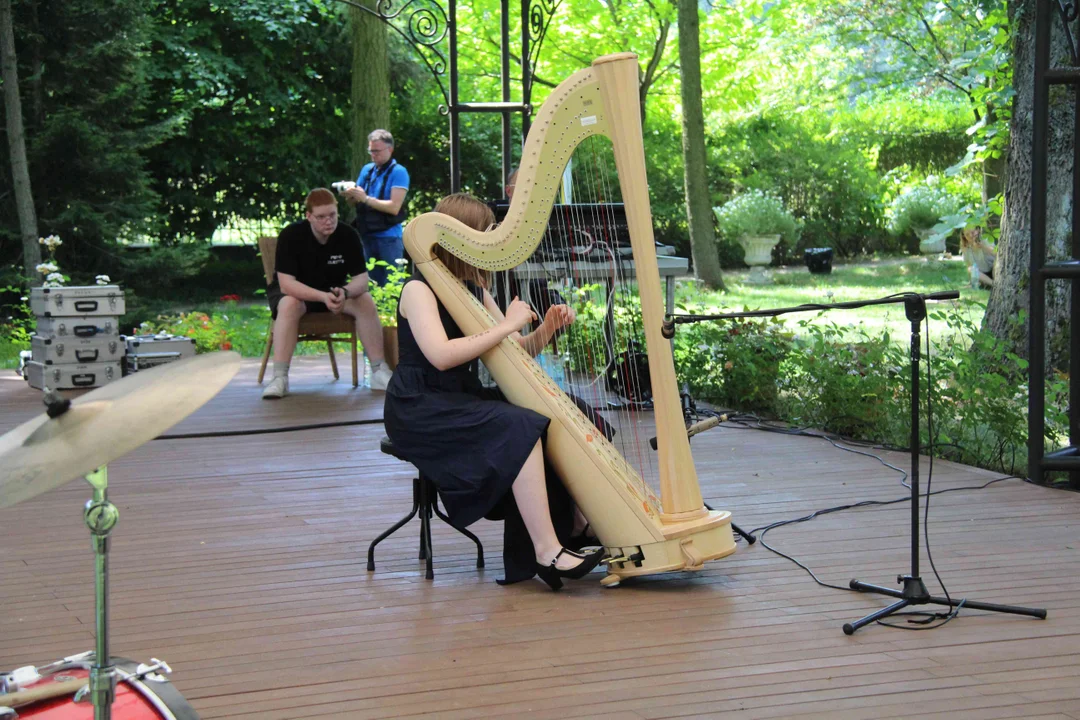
{"x":324,"y":217}
{"x":378,"y":151}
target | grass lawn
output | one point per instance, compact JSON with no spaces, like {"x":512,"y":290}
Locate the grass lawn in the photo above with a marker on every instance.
{"x":865,"y":281}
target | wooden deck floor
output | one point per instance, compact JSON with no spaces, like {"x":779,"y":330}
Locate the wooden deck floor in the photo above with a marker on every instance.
{"x":241,"y":561}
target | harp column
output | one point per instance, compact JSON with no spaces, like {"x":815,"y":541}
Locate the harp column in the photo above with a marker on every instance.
{"x":679,"y":493}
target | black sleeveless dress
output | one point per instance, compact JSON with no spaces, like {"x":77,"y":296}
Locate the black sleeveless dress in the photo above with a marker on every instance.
{"x":471,"y":442}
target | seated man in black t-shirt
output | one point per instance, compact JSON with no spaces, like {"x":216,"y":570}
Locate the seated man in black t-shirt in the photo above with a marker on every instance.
{"x":314,"y":260}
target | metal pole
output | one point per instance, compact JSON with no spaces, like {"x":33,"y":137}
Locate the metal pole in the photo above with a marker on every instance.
{"x":455,"y":127}
{"x":526,"y":72}
{"x":100,"y":516}
{"x":1037,"y":320}
{"x":505,"y":73}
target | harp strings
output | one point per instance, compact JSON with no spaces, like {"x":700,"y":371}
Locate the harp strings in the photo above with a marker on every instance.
{"x":587,"y":261}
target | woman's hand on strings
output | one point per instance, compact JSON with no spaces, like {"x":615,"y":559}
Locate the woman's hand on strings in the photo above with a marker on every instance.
{"x":519,"y":314}
{"x":559,"y":316}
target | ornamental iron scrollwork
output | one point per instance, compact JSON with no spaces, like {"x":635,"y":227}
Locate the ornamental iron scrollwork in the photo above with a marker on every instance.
{"x":424,"y":25}
{"x":539,"y":20}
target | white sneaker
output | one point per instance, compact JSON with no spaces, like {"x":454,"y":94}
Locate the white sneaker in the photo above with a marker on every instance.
{"x":278,"y":388}
{"x":381,"y":378}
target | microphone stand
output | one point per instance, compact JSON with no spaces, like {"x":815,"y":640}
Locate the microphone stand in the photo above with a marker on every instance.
{"x":914,"y":590}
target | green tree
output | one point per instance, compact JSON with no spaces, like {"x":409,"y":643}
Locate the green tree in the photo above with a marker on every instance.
{"x":370,"y":80}
{"x":698,"y":207}
{"x":86,"y":127}
{"x":257,"y":95}
{"x":1012,"y":275}
{"x":24,"y":199}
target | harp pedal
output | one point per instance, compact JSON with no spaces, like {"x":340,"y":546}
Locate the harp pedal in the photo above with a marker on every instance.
{"x":635,"y":558}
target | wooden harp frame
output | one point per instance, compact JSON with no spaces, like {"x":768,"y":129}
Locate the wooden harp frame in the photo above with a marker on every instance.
{"x":644,"y":535}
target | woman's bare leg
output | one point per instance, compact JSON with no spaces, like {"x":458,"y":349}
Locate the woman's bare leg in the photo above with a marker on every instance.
{"x":530,"y":493}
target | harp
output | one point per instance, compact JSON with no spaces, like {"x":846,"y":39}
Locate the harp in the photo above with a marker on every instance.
{"x":644,"y":533}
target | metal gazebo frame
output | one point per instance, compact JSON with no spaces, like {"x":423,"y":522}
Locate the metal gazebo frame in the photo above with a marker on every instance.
{"x":424,"y":24}
{"x":1042,"y":271}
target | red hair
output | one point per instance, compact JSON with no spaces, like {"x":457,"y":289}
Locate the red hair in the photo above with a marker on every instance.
{"x":319,"y":197}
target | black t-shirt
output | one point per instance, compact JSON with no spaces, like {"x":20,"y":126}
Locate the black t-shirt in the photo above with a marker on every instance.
{"x":317,"y":265}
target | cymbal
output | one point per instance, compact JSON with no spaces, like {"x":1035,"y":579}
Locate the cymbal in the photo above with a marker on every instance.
{"x":106,"y":423}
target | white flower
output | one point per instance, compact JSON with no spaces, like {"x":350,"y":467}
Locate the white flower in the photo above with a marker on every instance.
{"x":401,"y":261}
{"x":102,"y":280}
{"x":55,"y":277}
{"x":46,"y":268}
{"x":52,"y":242}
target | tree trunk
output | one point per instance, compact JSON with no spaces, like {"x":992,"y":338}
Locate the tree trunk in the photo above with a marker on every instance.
{"x":698,"y":210}
{"x":1012,"y":271}
{"x":20,"y":171}
{"x":370,"y":81}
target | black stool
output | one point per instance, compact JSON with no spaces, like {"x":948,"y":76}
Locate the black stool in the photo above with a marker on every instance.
{"x":425,"y":501}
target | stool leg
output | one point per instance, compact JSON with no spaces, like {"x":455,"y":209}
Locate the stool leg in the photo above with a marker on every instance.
{"x":425,"y":525}
{"x":395,"y":527}
{"x":463,"y":531}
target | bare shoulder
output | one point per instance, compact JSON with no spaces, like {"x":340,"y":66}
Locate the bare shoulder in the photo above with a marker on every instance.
{"x":415,"y":296}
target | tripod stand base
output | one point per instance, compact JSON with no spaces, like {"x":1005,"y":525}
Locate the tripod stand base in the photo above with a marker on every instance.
{"x":915,"y":593}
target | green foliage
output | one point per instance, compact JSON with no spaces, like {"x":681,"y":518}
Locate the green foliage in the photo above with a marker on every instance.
{"x":920,"y":209}
{"x":850,"y":386}
{"x":16,"y":321}
{"x":826,"y":181}
{"x":756,"y":213}
{"x":223,"y":326}
{"x":386,"y":296}
{"x":163,"y":271}
{"x":82,"y":73}
{"x":734,"y":364}
{"x":254,"y":93}
{"x":858,"y":384}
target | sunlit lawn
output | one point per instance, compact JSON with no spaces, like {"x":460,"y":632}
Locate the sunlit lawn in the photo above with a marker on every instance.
{"x":796,"y":286}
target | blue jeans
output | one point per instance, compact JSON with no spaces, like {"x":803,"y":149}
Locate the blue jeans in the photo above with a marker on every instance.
{"x":387,"y":249}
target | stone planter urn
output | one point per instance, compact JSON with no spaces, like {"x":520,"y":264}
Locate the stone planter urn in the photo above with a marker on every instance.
{"x":757,"y":253}
{"x":926,"y":246}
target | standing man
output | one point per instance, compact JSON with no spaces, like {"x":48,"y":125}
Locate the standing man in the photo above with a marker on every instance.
{"x":380,"y":199}
{"x":314,"y":260}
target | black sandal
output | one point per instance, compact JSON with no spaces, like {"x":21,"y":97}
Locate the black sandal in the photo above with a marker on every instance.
{"x":553,"y":576}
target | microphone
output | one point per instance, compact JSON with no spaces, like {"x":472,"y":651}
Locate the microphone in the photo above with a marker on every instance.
{"x":698,"y":427}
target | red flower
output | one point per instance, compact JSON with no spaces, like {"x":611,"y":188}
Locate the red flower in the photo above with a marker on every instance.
{"x":226,"y":345}
{"x":230,"y":298}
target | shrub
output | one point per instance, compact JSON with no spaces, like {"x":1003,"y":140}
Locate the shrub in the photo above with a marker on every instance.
{"x":920,"y":209}
{"x":386,"y":296}
{"x":756,"y":213}
{"x":735,"y":364}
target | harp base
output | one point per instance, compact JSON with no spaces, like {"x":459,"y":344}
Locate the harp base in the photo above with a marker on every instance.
{"x":689,"y":549}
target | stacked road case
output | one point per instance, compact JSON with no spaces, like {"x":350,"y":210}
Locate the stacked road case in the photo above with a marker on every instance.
{"x":77,"y":343}
{"x":147,"y":351}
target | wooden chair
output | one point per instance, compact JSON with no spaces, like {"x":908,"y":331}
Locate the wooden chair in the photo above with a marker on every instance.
{"x":320,"y":327}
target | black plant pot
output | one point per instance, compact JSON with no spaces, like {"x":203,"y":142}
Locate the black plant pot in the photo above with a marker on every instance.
{"x":819,"y":260}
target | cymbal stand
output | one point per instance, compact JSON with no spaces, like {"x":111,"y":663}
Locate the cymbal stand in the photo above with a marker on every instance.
{"x":101,"y":516}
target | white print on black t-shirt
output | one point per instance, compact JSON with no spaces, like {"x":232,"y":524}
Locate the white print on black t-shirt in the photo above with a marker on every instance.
{"x":335,"y":260}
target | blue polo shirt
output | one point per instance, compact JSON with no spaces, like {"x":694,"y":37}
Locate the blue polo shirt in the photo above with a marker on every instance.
{"x":378,"y":182}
